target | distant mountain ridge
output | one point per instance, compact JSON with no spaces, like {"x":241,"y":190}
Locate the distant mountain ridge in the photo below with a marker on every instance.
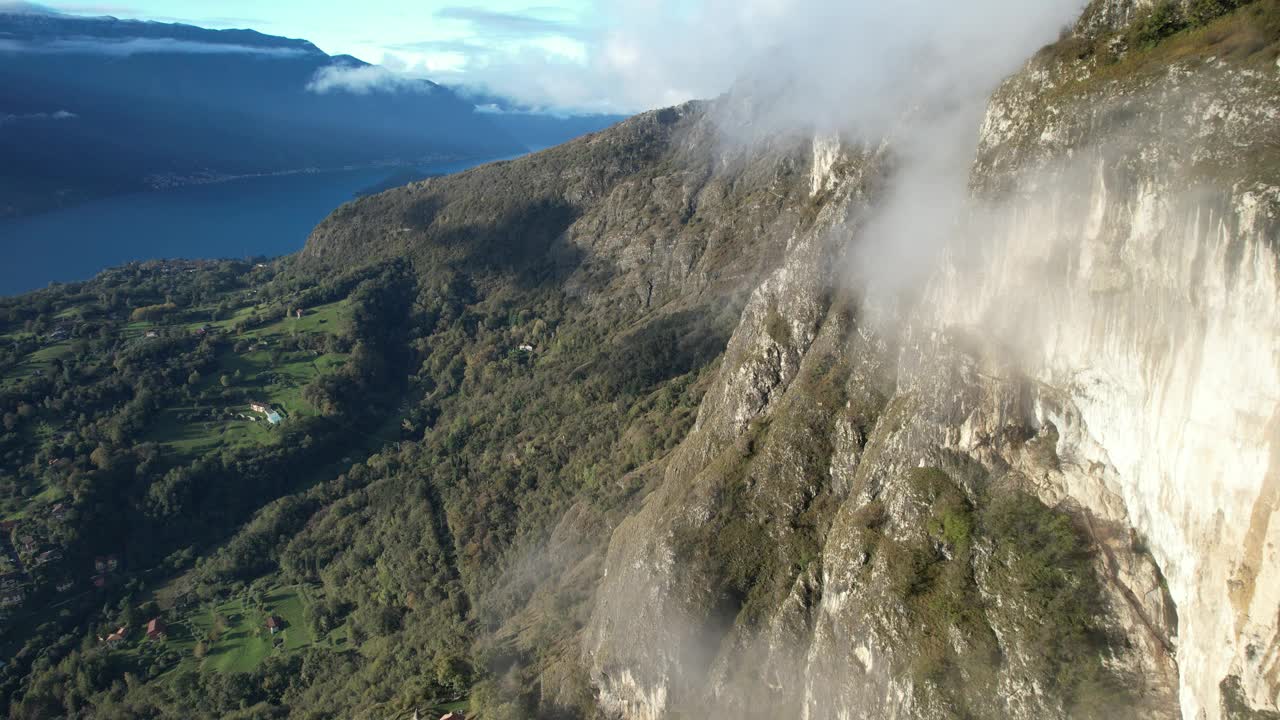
{"x":37,"y":26}
{"x":97,"y":106}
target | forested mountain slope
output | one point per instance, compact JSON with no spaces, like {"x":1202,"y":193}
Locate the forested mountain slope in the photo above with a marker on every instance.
{"x":662,"y":449}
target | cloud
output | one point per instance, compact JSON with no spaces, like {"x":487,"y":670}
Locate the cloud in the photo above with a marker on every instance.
{"x":363,"y":80}
{"x":125,"y":47}
{"x":8,"y":118}
{"x":489,"y":23}
{"x":922,"y":89}
{"x":830,"y":55}
{"x":95,"y":9}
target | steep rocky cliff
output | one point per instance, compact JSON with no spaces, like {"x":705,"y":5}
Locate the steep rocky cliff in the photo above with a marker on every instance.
{"x":1039,"y":483}
{"x":1100,"y":335}
{"x":1152,"y":307}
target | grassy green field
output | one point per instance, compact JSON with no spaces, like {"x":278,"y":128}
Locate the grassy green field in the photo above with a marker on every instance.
{"x":138,"y":327}
{"x":265,"y":375}
{"x":331,"y":319}
{"x":38,"y":360}
{"x":460,"y":707}
{"x":16,"y":508}
{"x":196,"y":438}
{"x":229,"y":423}
{"x":234,"y":633}
{"x":19,"y":508}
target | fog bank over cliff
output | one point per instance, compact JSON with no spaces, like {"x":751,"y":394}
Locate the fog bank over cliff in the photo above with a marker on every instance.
{"x":825,"y":57}
{"x":914,"y":78}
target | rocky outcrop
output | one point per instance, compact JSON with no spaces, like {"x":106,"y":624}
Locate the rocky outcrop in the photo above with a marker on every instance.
{"x":791,"y":559}
{"x":1099,"y":341}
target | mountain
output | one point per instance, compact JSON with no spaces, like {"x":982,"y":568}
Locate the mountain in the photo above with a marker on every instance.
{"x":650,"y":425}
{"x":100,"y":105}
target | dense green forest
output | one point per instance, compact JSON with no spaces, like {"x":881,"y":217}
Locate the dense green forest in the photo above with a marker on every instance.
{"x":351,"y":455}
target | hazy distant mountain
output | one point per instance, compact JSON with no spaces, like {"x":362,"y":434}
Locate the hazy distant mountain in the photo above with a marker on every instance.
{"x":535,"y":128}
{"x":90,"y":106}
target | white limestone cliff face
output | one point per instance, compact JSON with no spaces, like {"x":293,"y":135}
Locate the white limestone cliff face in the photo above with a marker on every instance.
{"x":1145,"y":293}
{"x":1157,"y":320}
{"x":1114,"y":14}
{"x":826,"y":152}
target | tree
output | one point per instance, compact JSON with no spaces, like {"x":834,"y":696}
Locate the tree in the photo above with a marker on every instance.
{"x":101,"y":458}
{"x":194,"y":378}
{"x":1161,"y":21}
{"x":1200,"y":12}
{"x":225,"y":380}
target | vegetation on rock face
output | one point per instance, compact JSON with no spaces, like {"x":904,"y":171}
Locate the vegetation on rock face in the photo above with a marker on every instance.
{"x":934,"y":578}
{"x":1234,"y":707}
{"x":1225,"y":60}
{"x":1245,"y":32}
{"x":1008,"y":562}
{"x":1042,"y":559}
{"x":1168,"y":17}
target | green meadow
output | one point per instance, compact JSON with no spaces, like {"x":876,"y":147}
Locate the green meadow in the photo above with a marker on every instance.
{"x":231,"y":635}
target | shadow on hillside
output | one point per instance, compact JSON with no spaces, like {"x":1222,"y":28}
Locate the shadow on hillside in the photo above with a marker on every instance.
{"x":668,"y":346}
{"x":523,"y":242}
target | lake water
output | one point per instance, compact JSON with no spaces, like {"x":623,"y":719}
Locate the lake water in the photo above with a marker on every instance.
{"x":255,"y":216}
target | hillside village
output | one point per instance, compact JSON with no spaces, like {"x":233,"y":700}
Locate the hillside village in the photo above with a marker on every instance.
{"x":255,"y":363}
{"x":221,"y":383}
